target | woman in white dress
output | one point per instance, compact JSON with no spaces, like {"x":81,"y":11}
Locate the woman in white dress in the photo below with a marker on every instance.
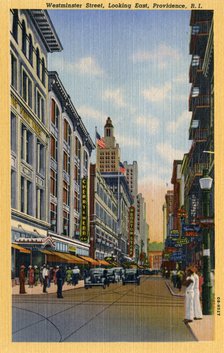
{"x":197,"y":304}
{"x":189,"y":297}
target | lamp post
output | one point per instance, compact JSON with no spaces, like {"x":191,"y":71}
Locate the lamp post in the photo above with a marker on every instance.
{"x":205,"y":185}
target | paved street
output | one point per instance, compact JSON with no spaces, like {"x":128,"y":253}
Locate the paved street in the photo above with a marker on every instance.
{"x":117,"y":314}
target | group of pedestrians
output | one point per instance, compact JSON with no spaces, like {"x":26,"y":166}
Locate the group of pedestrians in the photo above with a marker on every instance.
{"x":45,"y":275}
{"x":177,"y":278}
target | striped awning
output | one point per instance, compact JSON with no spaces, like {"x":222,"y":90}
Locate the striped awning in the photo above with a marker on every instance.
{"x":56,"y":256}
{"x":90,"y":260}
{"x":20,"y":248}
{"x":103,"y":262}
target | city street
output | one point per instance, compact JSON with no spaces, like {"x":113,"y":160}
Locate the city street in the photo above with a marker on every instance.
{"x":130,"y":313}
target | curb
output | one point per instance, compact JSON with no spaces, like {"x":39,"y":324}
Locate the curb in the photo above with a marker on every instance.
{"x":172,"y":292}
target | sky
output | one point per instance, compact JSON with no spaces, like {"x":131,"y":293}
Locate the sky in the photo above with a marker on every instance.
{"x":134,"y":67}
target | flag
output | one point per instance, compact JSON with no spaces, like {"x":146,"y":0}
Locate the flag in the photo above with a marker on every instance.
{"x":122,"y":168}
{"x":100,"y":141}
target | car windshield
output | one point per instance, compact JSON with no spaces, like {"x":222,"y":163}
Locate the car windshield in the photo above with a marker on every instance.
{"x":130,"y":271}
{"x":96,"y":272}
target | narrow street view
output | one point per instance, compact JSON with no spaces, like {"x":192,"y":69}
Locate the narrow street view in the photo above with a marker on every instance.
{"x":112,"y":175}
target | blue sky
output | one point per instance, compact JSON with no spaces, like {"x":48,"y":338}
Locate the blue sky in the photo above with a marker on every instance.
{"x":132,"y":66}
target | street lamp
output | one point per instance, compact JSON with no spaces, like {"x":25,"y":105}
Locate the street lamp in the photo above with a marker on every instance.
{"x":205,"y":185}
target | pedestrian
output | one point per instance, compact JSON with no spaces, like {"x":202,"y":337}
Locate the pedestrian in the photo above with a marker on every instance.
{"x":197,"y":305}
{"x":174,"y":278}
{"x":59,"y":282}
{"x":179,"y":279}
{"x":55,"y":269}
{"x":75,"y":275}
{"x":49,"y":276}
{"x":189,"y":296}
{"x":45,"y":274}
{"x":22,"y":279}
{"x":69,"y":274}
{"x":41,"y":276}
{"x":30,"y":275}
{"x":36,"y":275}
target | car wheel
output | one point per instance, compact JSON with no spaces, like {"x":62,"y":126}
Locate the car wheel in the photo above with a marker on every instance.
{"x":123,"y":283}
{"x":104,"y":286}
{"x":86,"y":287}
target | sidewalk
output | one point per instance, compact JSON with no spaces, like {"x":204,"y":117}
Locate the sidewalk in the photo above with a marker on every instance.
{"x":203,"y":330}
{"x":39,"y":289}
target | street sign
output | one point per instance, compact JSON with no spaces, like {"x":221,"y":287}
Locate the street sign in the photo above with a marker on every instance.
{"x":191,"y":228}
{"x":191,"y":234}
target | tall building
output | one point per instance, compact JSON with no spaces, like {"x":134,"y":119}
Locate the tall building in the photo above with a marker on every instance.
{"x":32,"y":37}
{"x":169,"y":209}
{"x":70,"y":152}
{"x":132,"y":177}
{"x":103,"y":218}
{"x":176,"y":180}
{"x":108,"y":158}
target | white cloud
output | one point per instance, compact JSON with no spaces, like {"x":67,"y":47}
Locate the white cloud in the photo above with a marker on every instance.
{"x":149,"y":123}
{"x":161,"y":55}
{"x":182,"y":121}
{"x":116,"y":96}
{"x":157,"y":94}
{"x":85,"y":66}
{"x":127,"y":141}
{"x":91,"y":113}
{"x":88,"y":66}
{"x":168,"y":153}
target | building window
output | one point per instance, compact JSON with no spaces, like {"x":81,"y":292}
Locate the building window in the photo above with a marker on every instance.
{"x":54,"y":147}
{"x":15,"y":25}
{"x":40,"y":107}
{"x":66,"y":162}
{"x":108,"y":132}
{"x":77,"y":174}
{"x":77,"y":148}
{"x":40,"y":204}
{"x":67,"y":132}
{"x":13,"y":189}
{"x":65,"y":193}
{"x":24,"y":42}
{"x":13,"y":132}
{"x":53,"y":183}
{"x":40,"y":158}
{"x":13,"y":71}
{"x":53,"y":217}
{"x":43,"y":72}
{"x":26,"y":196}
{"x":30,"y":49}
{"x":65,"y":223}
{"x":26,"y":145}
{"x":38,"y":62}
{"x":54,"y":113}
{"x":27,"y":89}
{"x":76,"y":201}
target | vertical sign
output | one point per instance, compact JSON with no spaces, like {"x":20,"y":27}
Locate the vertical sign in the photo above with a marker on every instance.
{"x":84,"y":212}
{"x":131,"y":230}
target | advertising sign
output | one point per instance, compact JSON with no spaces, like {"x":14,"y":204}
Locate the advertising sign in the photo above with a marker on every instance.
{"x":84,"y":212}
{"x":131,"y":230}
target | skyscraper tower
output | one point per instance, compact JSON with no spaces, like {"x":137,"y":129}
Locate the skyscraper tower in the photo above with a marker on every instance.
{"x":108,"y":158}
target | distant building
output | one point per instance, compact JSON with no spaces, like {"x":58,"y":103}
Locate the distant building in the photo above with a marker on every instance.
{"x":108,"y":158}
{"x":155,"y":255}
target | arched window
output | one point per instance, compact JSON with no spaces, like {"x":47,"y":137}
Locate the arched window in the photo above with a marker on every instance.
{"x":15,"y":25}
{"x":38,"y":62}
{"x":30,"y":49}
{"x":43,"y":71}
{"x":24,"y":38}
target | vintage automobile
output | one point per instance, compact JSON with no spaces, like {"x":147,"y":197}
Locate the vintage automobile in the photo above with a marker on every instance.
{"x":131,"y":276}
{"x":118,"y":272}
{"x":96,"y":277}
{"x":111,"y":275}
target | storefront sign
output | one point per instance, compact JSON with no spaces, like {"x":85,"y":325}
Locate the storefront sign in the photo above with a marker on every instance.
{"x":174,"y":233}
{"x":71,"y":248}
{"x":131,"y":230}
{"x":84,"y":212}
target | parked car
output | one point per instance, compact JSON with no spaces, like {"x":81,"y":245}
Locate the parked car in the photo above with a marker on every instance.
{"x":96,"y":277}
{"x":111,"y":275}
{"x":131,"y":276}
{"x":118,"y":271}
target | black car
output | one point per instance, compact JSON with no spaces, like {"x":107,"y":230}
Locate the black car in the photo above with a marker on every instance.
{"x":131,"y":276}
{"x":110,"y":275}
{"x":96,"y":277}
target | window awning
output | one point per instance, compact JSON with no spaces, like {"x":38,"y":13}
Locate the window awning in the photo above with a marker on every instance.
{"x":21,"y":249}
{"x":103,"y":262}
{"x":55,"y":256}
{"x":90,"y":260}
